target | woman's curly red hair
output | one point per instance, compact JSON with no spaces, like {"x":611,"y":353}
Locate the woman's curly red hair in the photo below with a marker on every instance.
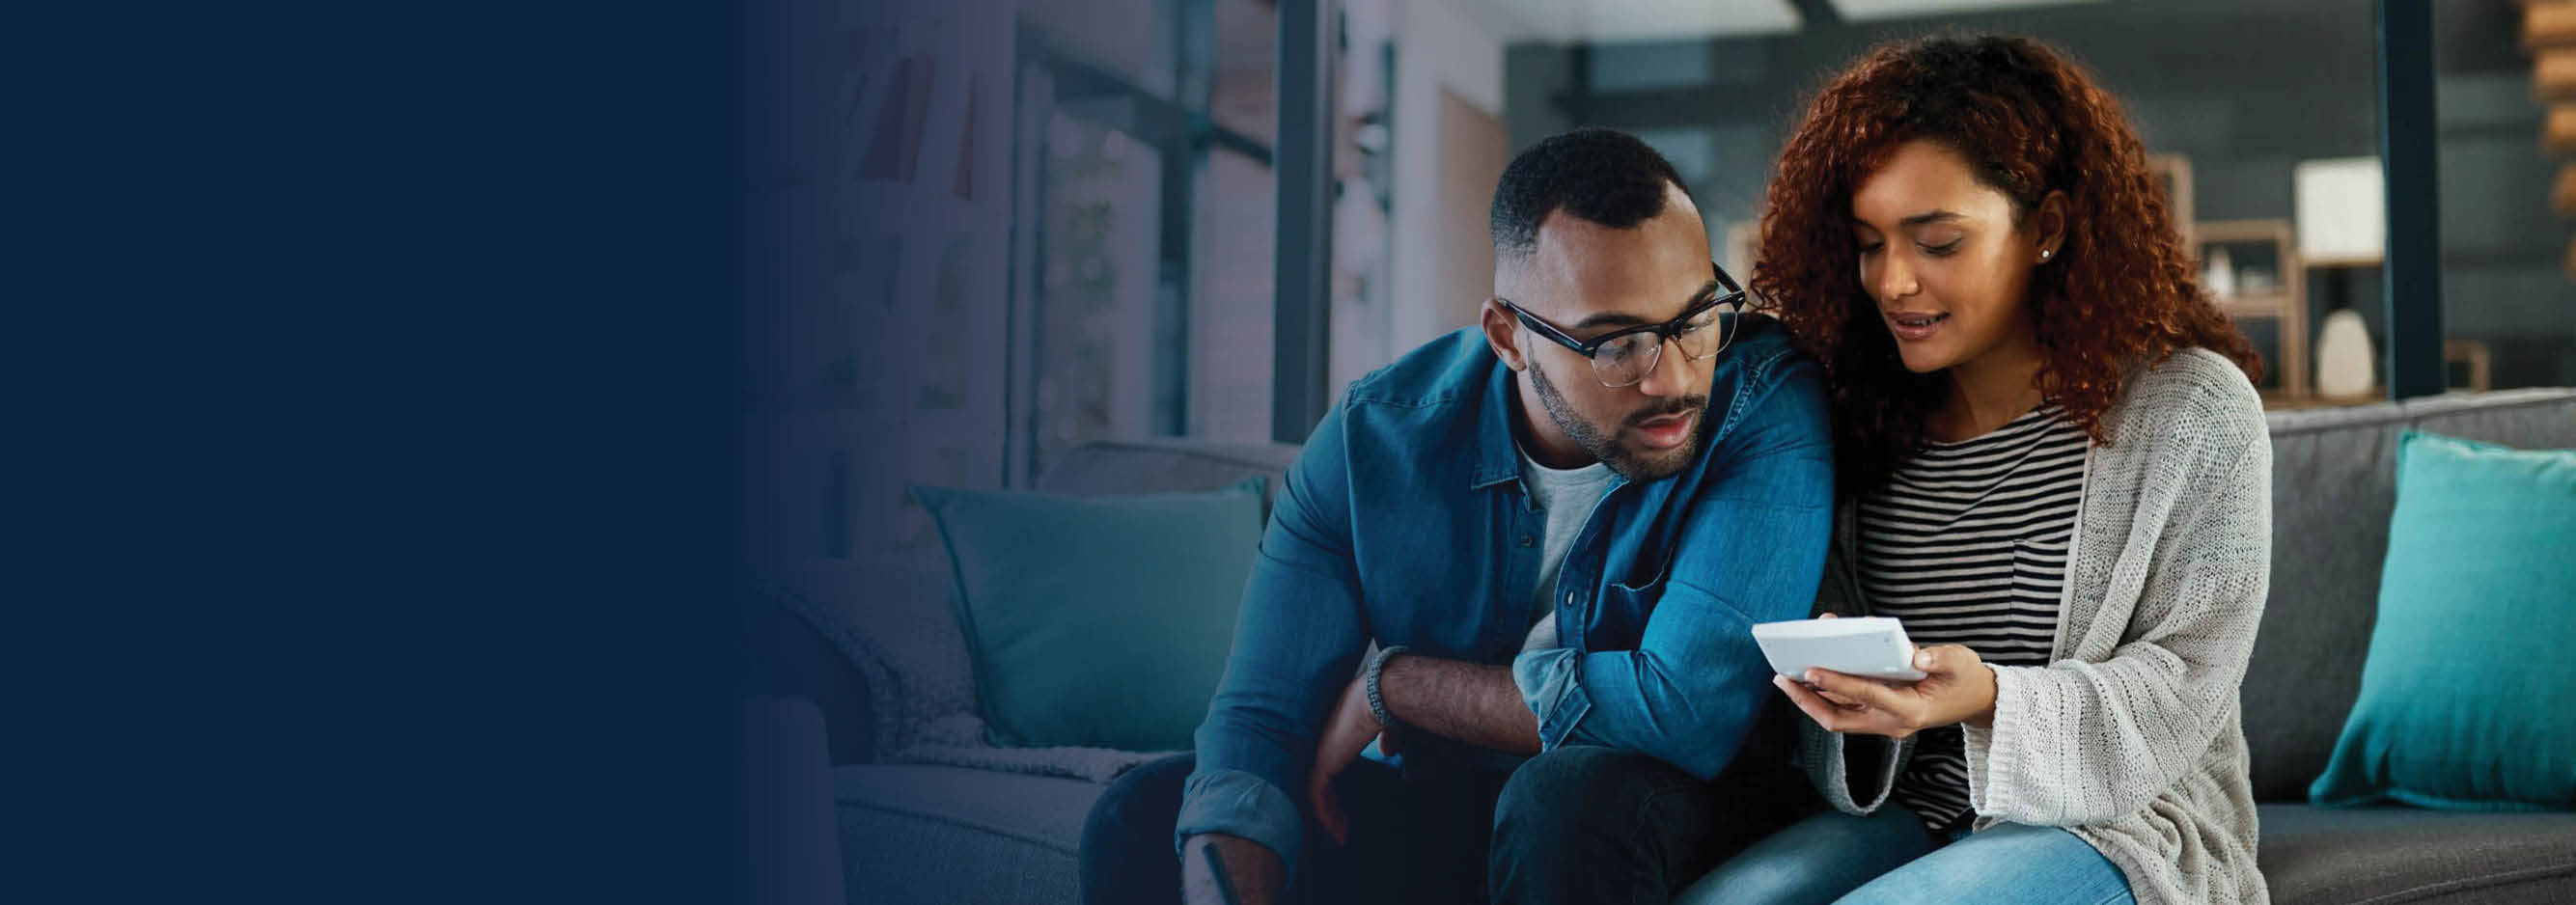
{"x":2119,"y":293}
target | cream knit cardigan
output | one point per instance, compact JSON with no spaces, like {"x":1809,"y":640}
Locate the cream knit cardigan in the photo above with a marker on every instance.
{"x":2130,"y":737}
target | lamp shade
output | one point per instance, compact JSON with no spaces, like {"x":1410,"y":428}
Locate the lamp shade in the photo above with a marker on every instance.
{"x":2342,"y":211}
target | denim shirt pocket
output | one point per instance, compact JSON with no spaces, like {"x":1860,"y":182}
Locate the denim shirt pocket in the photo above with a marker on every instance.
{"x":1655,"y":566}
{"x":1618,"y":618}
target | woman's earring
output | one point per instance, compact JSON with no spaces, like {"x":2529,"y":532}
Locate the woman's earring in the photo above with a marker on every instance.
{"x":2043,"y":255}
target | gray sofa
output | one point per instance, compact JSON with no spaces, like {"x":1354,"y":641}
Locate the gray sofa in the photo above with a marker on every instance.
{"x":942,"y":834}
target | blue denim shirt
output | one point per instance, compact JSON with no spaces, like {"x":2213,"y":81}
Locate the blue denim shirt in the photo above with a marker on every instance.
{"x":1404,"y":521}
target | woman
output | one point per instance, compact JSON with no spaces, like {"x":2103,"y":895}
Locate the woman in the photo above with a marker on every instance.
{"x":2056,"y":474}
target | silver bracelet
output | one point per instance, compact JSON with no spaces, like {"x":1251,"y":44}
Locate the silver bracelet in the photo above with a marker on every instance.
{"x":1368,"y":681}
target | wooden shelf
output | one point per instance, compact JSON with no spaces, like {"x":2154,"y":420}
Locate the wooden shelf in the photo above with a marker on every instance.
{"x":2473,"y":356}
{"x":2173,"y":172}
{"x":2551,"y":24}
{"x":2468,"y":354}
{"x":2286,"y":303}
{"x":2272,"y":303}
{"x":2553,"y":74}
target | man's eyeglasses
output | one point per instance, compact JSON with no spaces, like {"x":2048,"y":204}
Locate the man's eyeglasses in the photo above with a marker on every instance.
{"x":1623,"y":357}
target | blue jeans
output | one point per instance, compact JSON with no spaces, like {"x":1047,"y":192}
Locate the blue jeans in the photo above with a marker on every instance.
{"x":1578,"y":824}
{"x":1888,"y":858}
{"x":1419,"y":838}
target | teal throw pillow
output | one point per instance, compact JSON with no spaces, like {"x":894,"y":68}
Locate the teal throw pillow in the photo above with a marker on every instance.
{"x":2468,"y":698}
{"x":1097,"y":621}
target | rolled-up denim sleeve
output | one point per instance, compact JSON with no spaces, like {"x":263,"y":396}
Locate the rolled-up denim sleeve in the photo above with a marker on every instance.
{"x":1296,"y":643}
{"x":1239,"y":803}
{"x":1751,"y":550}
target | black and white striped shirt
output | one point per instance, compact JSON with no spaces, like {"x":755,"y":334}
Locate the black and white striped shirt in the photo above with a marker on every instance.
{"x":1966,"y":544}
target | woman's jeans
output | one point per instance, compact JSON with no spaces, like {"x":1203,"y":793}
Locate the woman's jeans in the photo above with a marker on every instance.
{"x":1888,"y":857}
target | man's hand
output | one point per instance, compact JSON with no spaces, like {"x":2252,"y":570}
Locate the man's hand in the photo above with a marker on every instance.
{"x":1958,"y":687}
{"x":1252,"y":871}
{"x":1346,"y":733}
{"x":1464,"y":701}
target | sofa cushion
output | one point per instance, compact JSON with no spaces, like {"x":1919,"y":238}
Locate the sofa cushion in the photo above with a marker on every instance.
{"x":1097,"y":621}
{"x":2333,"y":488}
{"x":2465,"y":696}
{"x":897,"y":628}
{"x":939,"y":835}
{"x":2385,"y":856}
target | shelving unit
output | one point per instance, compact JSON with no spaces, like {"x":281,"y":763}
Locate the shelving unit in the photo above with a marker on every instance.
{"x":2549,"y":32}
{"x":2174,"y":172}
{"x":2285,"y":300}
{"x":2473,"y":359}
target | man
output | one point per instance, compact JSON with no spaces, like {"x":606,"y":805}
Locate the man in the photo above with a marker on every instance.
{"x":1556,"y":529}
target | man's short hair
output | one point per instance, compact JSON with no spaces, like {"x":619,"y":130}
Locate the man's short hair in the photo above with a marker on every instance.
{"x":1603,"y":176}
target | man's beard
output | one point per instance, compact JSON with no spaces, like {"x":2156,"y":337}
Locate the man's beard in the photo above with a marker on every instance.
{"x":1606,"y":447}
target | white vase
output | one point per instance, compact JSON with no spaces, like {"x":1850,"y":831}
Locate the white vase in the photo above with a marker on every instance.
{"x":2219,"y":275}
{"x":2344,"y":366}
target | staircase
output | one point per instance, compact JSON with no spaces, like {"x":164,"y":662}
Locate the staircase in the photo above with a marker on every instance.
{"x":2549,"y":32}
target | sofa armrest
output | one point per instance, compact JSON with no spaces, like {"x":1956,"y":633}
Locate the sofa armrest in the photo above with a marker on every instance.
{"x":789,"y":659}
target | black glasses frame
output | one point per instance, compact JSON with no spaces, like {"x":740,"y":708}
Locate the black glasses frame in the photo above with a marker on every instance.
{"x":1664,"y":332}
